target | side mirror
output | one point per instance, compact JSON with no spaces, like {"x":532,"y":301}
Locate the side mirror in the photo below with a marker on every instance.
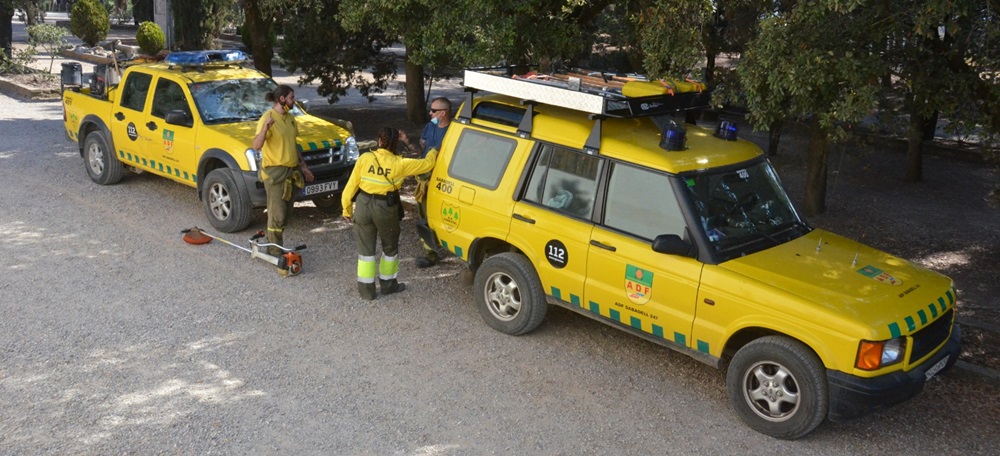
{"x":672,"y":244}
{"x":304,"y":105}
{"x":178,"y":117}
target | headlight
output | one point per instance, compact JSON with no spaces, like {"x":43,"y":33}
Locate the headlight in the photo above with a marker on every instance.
{"x":873,"y":355}
{"x":253,"y":158}
{"x":352,"y":149}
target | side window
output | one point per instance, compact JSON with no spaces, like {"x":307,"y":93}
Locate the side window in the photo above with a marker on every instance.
{"x":642,"y":202}
{"x":167,"y":97}
{"x":481,"y":158}
{"x":564,"y":180}
{"x":135,"y":90}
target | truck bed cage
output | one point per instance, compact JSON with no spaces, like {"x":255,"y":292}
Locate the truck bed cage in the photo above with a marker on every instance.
{"x":599,"y":96}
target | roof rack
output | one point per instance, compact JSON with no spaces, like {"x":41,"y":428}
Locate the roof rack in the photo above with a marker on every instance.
{"x":200,"y":60}
{"x":600,"y":95}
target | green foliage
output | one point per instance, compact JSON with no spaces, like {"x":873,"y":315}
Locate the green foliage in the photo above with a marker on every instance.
{"x":50,"y":37}
{"x":19,"y":61}
{"x":671,"y":37}
{"x":150,"y":38}
{"x":324,"y":51}
{"x":88,"y":20}
{"x":198,"y":23}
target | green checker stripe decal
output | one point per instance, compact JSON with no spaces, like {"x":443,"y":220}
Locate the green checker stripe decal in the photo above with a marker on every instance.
{"x":910,"y":322}
{"x":152,"y":164}
{"x":637,"y":323}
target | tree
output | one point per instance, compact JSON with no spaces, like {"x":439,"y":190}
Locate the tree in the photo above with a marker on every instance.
{"x":808,"y":64}
{"x":6,"y":29}
{"x":316,"y":44}
{"x":259,"y":23}
{"x":198,"y":23}
{"x":88,"y":20}
{"x":51,"y":37}
{"x":474,"y":32}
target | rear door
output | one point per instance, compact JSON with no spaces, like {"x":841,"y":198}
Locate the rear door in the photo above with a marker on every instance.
{"x":128,"y":115}
{"x":552,"y":221}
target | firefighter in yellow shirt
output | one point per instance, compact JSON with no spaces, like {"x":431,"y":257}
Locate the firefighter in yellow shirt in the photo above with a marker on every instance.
{"x":282,"y":168}
{"x":377,"y":209}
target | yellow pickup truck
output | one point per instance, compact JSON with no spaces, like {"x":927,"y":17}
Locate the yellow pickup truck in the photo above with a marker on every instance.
{"x":191,"y":119}
{"x":558,"y":193}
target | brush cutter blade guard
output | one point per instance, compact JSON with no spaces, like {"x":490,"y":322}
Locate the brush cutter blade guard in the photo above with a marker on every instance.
{"x":195,"y":236}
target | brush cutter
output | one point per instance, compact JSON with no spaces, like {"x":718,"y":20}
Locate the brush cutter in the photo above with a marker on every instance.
{"x":288,"y":263}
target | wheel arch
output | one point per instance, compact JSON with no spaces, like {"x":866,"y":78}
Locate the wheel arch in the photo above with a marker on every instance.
{"x":92,"y":123}
{"x":745,"y":335}
{"x":214,"y":159}
{"x":485,"y":247}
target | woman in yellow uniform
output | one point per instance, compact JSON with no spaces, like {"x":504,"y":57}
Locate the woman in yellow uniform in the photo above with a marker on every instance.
{"x":377,"y":210}
{"x":281,"y":165}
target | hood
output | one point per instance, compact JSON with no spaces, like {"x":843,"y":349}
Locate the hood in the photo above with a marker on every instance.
{"x":314,"y":133}
{"x":891,"y":294}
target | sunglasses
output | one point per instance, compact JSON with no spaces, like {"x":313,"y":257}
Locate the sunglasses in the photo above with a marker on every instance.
{"x":437,"y":110}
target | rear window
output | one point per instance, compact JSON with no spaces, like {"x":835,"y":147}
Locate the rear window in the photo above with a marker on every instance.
{"x":481,"y":158}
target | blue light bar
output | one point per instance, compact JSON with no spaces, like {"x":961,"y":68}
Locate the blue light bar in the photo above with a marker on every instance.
{"x":195,"y":58}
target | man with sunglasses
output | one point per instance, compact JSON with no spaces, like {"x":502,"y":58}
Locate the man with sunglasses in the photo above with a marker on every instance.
{"x":430,"y":138}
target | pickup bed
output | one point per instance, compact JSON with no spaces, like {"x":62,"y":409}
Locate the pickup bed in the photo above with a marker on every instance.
{"x":192,"y":120}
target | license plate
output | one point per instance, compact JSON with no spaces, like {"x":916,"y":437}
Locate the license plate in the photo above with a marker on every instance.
{"x":320,"y":188}
{"x":936,"y":368}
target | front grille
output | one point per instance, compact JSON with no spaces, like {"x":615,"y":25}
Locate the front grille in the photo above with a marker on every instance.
{"x":320,"y":157}
{"x":931,"y":337}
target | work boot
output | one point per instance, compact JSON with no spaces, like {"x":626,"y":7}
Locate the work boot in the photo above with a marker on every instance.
{"x":391,"y":286}
{"x":424,"y":262}
{"x":366,"y":290}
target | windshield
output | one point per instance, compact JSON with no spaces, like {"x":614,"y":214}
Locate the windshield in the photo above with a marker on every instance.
{"x":233,"y":100}
{"x":744,"y":210}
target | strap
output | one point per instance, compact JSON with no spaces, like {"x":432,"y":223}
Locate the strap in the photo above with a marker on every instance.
{"x":375,"y":156}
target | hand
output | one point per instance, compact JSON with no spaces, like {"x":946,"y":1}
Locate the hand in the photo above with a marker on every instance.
{"x":348,"y":218}
{"x":308,"y":175}
{"x":269,"y":122}
{"x":403,"y":138}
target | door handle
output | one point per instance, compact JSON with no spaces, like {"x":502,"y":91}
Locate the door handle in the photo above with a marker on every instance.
{"x":602,"y":245}
{"x":151,"y":125}
{"x":119,"y":115}
{"x":524,"y":219}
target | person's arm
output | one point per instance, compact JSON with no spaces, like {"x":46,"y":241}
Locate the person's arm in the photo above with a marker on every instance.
{"x":308,"y":175}
{"x":263,"y":130}
{"x":412,"y":147}
{"x":351,"y":187}
{"x":414,"y":166}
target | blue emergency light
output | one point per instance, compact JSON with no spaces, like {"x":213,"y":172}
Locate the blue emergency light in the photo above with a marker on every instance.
{"x":196,"y":58}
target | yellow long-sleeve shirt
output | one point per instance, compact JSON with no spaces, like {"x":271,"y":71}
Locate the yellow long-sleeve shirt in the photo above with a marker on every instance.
{"x":381,"y":172}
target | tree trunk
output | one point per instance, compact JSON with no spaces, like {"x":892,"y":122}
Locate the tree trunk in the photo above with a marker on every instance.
{"x":259,"y":28}
{"x":774,"y":137}
{"x":914,"y":149}
{"x":7,"y":30}
{"x":416,"y":105}
{"x":815,"y":199}
{"x":928,"y":126}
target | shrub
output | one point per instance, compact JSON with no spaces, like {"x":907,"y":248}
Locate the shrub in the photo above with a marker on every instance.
{"x":89,"y":21}
{"x":150,"y":38}
{"x":50,"y":37}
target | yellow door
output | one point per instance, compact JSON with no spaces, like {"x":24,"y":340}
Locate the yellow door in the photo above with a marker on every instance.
{"x":552,"y":221}
{"x":626,"y":280}
{"x":127,"y":116}
{"x":171,"y":149}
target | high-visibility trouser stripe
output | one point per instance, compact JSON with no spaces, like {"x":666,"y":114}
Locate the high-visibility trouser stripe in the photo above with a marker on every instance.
{"x":388,"y":268}
{"x":275,"y":230}
{"x":366,"y":269}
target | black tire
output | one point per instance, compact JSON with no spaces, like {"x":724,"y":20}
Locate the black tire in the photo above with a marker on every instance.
{"x":101,"y":162}
{"x":778,"y":387}
{"x":509,"y":294}
{"x":329,"y":204}
{"x":227,"y":209}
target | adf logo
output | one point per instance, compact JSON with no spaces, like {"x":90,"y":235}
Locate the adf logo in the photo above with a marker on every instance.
{"x":638,"y":284}
{"x":450,"y":216}
{"x":168,"y":140}
{"x":879,"y":275}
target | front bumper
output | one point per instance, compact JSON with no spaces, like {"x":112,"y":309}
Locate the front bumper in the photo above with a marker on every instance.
{"x":852,"y":396}
{"x":258,"y":197}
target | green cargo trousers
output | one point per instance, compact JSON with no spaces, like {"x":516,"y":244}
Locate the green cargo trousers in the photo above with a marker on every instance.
{"x":279,"y":183}
{"x":375,"y":220}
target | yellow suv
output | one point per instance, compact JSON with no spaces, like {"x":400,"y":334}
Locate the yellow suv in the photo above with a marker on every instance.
{"x":585,"y":198}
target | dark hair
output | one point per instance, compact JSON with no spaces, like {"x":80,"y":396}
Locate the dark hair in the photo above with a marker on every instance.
{"x":281,"y":91}
{"x":388,"y":139}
